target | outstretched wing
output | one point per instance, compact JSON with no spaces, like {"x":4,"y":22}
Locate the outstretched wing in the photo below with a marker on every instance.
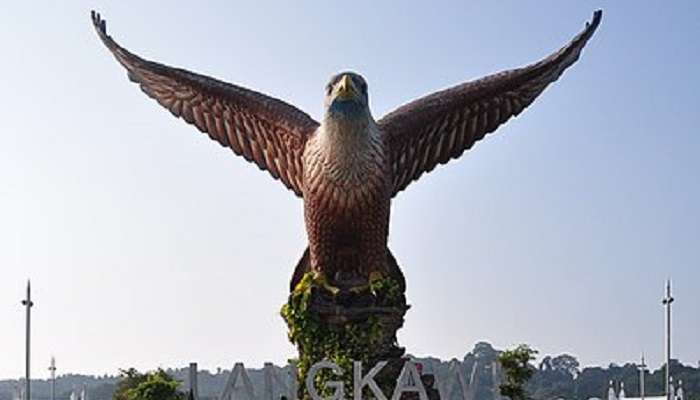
{"x":264,"y":130}
{"x":440,"y":127}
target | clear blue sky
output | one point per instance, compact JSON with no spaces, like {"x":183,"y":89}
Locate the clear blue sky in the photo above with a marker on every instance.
{"x":149,"y":245}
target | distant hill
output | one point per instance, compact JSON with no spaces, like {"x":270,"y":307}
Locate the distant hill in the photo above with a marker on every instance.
{"x":475,"y":377}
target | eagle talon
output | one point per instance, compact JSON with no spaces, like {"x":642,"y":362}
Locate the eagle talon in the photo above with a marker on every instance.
{"x":375,"y":276}
{"x":321,"y":281}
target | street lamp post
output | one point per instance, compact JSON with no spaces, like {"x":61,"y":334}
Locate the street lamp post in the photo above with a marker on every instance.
{"x":667,"y":301}
{"x":52,"y":368}
{"x":642,"y":373}
{"x":27,"y":303}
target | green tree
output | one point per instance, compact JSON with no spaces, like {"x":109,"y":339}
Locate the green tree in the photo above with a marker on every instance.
{"x":156,"y":385}
{"x":517,"y":371}
{"x":128,"y":379}
{"x":567,"y":364}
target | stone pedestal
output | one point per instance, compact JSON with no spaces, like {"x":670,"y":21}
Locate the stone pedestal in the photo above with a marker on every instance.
{"x":326,"y":324}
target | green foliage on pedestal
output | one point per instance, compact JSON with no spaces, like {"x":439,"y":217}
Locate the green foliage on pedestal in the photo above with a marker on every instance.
{"x":339,"y":342}
{"x":387,"y":292}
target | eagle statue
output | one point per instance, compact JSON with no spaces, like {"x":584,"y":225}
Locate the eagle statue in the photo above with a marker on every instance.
{"x":348,"y":167}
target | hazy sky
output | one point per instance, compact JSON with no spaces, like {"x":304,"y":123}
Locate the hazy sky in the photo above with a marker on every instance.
{"x":149,"y":245}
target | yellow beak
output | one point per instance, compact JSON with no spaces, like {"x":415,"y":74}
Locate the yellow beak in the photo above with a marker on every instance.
{"x":346,"y":89}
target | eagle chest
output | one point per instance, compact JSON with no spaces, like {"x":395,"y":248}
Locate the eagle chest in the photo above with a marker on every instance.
{"x":345,"y":183}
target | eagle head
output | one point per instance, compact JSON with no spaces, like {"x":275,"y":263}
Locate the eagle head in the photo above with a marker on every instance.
{"x":346,"y":97}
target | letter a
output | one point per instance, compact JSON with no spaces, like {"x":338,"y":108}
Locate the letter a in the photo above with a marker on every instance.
{"x":409,"y":371}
